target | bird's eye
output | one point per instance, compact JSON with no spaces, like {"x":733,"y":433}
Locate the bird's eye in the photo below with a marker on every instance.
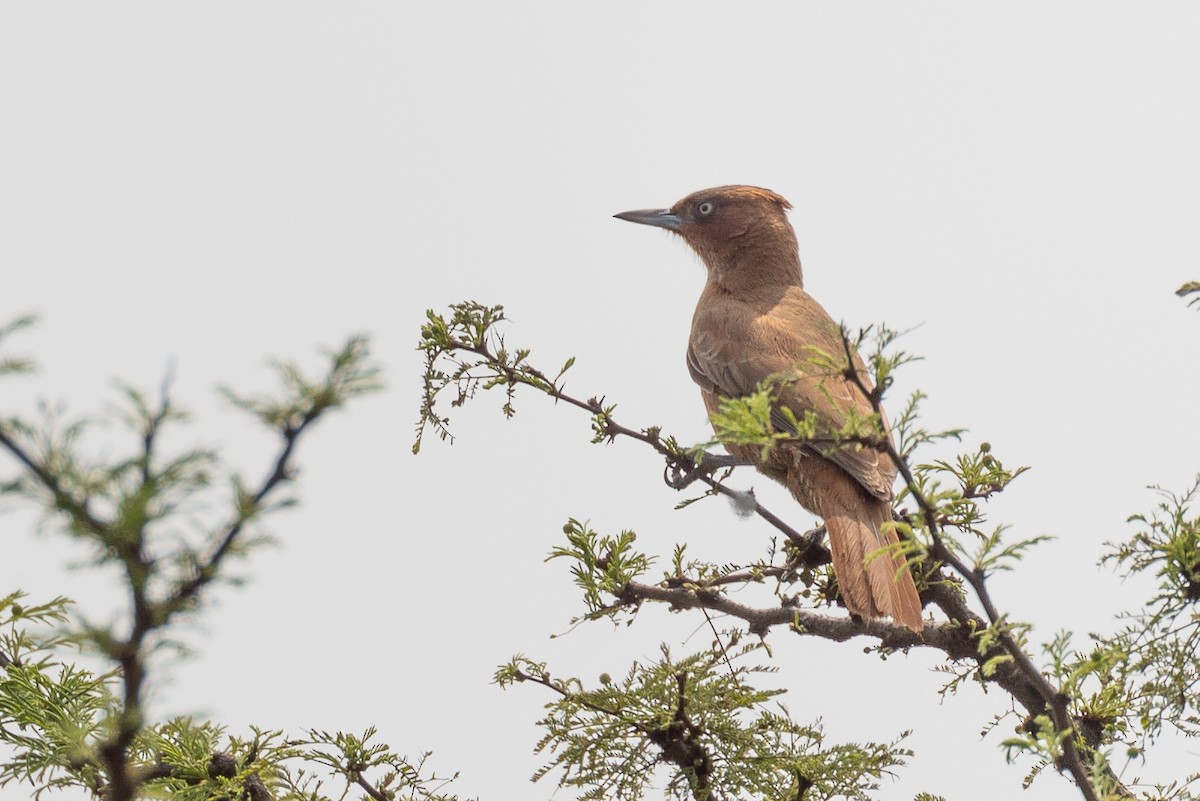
{"x":705,"y":208}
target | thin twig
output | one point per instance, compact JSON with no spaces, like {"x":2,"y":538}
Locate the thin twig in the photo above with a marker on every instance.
{"x":688,"y":466}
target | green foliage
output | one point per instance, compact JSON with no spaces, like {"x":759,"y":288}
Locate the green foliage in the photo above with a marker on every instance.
{"x":759,"y":419}
{"x":1160,"y":641}
{"x":601,"y":566}
{"x":50,"y":710}
{"x":908,"y":433}
{"x":63,"y":727}
{"x":1073,"y":701}
{"x":476,"y":358}
{"x":354,"y":757}
{"x":351,"y":374}
{"x":699,"y":720}
{"x":696,"y":726}
{"x":1096,"y":704}
{"x":15,"y":365}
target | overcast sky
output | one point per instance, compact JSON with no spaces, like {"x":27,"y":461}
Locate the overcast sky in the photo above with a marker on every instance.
{"x":216,"y":184}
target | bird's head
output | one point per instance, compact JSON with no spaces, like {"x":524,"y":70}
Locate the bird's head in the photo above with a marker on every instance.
{"x":734,"y":229}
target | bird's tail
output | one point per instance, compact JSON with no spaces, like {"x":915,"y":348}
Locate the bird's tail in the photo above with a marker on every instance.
{"x":874,"y":583}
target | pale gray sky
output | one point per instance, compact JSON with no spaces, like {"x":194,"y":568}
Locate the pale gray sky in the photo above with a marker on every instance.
{"x":215,"y":184}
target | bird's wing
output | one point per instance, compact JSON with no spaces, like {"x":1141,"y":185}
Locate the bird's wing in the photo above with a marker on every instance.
{"x":730,"y":357}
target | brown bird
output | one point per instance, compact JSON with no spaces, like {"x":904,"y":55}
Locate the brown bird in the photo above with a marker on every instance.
{"x":754,"y":321}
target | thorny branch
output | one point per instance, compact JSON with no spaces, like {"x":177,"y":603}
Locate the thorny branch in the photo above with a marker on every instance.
{"x":957,"y":637}
{"x":682,"y":468}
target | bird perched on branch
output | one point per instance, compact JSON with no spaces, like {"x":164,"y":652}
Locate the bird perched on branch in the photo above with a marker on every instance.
{"x":754,"y":322}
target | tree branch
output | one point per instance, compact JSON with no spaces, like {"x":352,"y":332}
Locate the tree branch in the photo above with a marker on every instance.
{"x":1004,"y":662}
{"x":681,"y":469}
{"x":1049,"y":698}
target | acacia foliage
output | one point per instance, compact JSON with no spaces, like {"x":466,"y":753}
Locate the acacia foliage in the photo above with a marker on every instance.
{"x":705,"y":725}
{"x":1087,"y":705}
{"x":146,"y":510}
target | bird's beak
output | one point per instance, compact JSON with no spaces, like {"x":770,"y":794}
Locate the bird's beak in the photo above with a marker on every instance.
{"x":662,"y":218}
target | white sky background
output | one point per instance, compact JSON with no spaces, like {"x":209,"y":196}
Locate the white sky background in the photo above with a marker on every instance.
{"x":215,"y":185}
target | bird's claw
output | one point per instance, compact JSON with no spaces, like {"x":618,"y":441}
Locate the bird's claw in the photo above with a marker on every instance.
{"x":685,"y":471}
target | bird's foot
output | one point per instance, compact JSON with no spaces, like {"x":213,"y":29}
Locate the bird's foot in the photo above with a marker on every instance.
{"x":684,"y":471}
